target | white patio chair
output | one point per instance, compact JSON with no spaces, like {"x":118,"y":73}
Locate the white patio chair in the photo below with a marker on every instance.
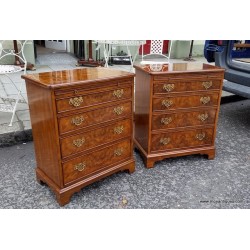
{"x":156,"y":55}
{"x":9,"y":104}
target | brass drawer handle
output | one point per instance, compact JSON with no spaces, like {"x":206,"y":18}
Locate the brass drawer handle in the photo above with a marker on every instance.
{"x":118,"y":110}
{"x":118,"y":152}
{"x":166,"y":120}
{"x":205,"y":99}
{"x":207,"y":85}
{"x":77,"y":120}
{"x":165,"y":141}
{"x":203,"y":117}
{"x":168,"y":87}
{"x":118,"y":93}
{"x":79,"y":142}
{"x":167,"y":103}
{"x":80,"y":166}
{"x":118,"y":130}
{"x":200,"y":137}
{"x":76,"y":101}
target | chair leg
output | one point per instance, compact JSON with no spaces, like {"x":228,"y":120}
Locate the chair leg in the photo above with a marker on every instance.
{"x":13,"y":114}
{"x":14,"y":110}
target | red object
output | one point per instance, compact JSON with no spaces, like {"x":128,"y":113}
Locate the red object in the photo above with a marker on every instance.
{"x":146,"y":47}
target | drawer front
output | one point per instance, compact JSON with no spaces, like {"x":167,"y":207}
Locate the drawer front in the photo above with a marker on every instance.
{"x":81,"y":120}
{"x":172,"y":103}
{"x":90,"y":163}
{"x":94,"y":138}
{"x":183,"y":119}
{"x":188,"y":85}
{"x":77,"y":101}
{"x":181,"y":139}
{"x":194,"y":76}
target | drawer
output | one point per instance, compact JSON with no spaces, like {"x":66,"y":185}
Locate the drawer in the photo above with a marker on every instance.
{"x":187,"y":85}
{"x":77,"y":101}
{"x":194,"y":76}
{"x":90,"y":163}
{"x":181,"y":139}
{"x":100,"y":136}
{"x":183,"y":119}
{"x":181,"y":102}
{"x":93,"y":117}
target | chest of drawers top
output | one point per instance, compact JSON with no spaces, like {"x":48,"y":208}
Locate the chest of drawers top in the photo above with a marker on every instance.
{"x":83,"y":78}
{"x":173,"y":70}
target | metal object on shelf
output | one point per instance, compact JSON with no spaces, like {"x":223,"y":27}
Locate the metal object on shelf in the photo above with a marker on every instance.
{"x":127,"y":43}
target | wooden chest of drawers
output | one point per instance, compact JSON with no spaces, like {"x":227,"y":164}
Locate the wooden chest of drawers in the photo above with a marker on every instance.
{"x":82,"y":125}
{"x":176,"y":110}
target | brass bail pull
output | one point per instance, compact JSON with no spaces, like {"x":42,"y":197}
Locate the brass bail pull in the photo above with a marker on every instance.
{"x":76,"y":101}
{"x":80,"y":166}
{"x":118,"y":93}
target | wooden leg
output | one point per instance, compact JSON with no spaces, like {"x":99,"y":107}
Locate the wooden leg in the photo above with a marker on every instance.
{"x":131,"y":168}
{"x":211,"y":154}
{"x":39,"y":180}
{"x":149,"y":163}
{"x":64,"y":198}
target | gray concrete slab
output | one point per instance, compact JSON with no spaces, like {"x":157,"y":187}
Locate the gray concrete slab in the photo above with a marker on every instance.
{"x":5,"y":120}
{"x":4,"y":79}
{"x":23,"y":115}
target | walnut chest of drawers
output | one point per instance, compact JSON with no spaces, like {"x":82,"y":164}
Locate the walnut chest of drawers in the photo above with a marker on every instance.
{"x":176,"y":110}
{"x":82,"y":125}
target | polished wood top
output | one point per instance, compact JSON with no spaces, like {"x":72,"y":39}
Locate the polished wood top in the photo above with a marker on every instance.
{"x":58,"y":79}
{"x":176,"y":68}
